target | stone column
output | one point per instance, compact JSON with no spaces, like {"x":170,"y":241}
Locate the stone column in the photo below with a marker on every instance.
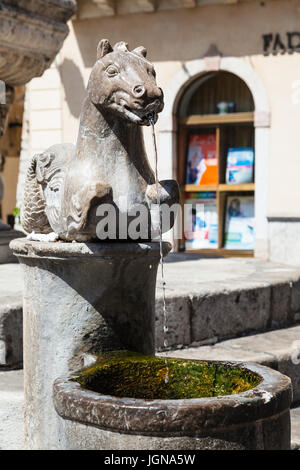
{"x":80,"y":299}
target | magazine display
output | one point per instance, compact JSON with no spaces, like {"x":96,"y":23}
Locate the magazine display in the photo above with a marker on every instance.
{"x":202,"y":162}
{"x":201,"y":221}
{"x":239,"y":224}
{"x":240,"y":163}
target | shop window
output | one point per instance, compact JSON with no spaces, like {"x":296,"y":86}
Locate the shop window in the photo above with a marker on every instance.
{"x":216,"y":165}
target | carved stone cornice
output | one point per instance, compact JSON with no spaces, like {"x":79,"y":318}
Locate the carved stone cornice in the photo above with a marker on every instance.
{"x":31,"y":34}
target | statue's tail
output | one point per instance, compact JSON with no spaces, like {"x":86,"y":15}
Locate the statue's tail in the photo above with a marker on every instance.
{"x":33,"y":217}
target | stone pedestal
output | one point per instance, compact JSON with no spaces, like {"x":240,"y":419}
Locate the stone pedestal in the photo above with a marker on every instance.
{"x":80,"y":299}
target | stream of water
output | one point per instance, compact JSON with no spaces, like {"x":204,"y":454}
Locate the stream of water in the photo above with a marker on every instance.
{"x":165,"y":328}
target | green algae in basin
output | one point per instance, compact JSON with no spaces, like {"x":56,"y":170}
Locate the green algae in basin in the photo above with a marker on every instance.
{"x":126,"y":374}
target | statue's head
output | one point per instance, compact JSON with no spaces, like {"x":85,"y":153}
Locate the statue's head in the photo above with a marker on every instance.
{"x":124,"y":82}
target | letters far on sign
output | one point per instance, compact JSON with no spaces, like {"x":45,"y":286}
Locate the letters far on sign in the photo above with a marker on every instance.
{"x":277,"y":44}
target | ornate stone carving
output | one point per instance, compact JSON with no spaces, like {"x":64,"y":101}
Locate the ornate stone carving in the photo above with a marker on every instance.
{"x":66,"y":184}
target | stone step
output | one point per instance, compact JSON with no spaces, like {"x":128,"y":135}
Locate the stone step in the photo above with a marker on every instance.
{"x":209,"y":300}
{"x":279,"y":349}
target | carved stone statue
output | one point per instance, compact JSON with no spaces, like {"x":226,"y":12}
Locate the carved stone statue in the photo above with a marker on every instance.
{"x":66,"y":184}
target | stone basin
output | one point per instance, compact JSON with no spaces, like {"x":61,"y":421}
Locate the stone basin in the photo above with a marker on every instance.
{"x":124,"y":402}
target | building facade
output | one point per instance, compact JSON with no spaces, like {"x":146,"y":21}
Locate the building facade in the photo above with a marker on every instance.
{"x":244,"y":53}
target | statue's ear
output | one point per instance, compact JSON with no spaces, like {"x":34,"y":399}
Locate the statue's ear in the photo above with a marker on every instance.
{"x":103,"y":48}
{"x":141,"y":51}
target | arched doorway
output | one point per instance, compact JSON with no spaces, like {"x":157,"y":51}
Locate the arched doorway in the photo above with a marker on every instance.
{"x":185,"y":82}
{"x":215,"y":167}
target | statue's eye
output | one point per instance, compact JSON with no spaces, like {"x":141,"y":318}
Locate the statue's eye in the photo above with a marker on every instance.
{"x":112,"y":71}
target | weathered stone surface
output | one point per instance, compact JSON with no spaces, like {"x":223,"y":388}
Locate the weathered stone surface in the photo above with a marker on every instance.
{"x":256,"y":419}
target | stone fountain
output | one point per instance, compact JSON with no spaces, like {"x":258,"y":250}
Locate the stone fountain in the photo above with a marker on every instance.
{"x":91,"y":378}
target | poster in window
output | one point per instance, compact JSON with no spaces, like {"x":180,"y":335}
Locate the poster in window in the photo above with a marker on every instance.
{"x":202,"y":162}
{"x":239,"y":223}
{"x":201,"y":221}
